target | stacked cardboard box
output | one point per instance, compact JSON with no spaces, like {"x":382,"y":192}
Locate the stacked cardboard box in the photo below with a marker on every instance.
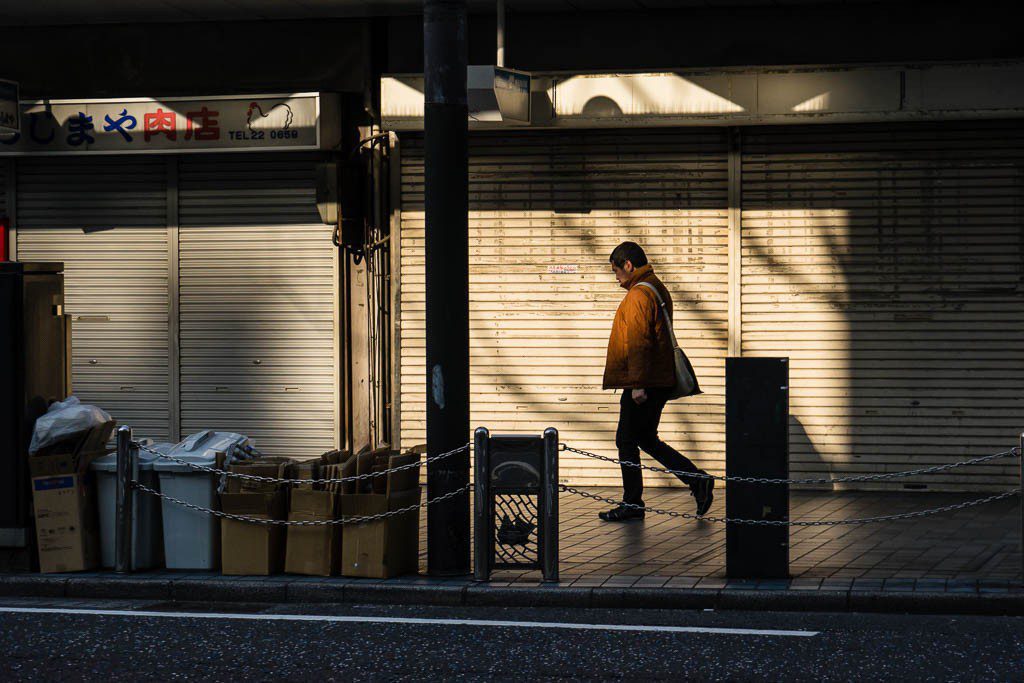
{"x":64,"y":498}
{"x":379,"y":549}
{"x":390,"y":546}
{"x":249,"y":548}
{"x":315,"y":550}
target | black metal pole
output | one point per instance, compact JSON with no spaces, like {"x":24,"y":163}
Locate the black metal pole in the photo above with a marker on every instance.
{"x":549,"y":511}
{"x":447,"y":277}
{"x":483,"y":527}
{"x":124,"y":505}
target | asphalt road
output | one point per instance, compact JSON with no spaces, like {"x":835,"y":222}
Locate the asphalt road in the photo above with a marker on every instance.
{"x":94,"y":640}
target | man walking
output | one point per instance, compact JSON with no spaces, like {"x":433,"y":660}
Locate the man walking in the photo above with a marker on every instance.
{"x":640,"y":361}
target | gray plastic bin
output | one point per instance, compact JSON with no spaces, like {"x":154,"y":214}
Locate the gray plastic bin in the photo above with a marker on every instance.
{"x":192,"y":538}
{"x":147,"y":541}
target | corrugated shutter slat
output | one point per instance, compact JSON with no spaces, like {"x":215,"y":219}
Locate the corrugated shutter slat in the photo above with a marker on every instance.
{"x":538,"y":340}
{"x":105,"y":219}
{"x":886,"y":262}
{"x":257,"y":272}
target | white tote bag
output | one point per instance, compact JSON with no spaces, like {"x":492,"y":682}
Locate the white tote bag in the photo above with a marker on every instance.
{"x":686,"y":379}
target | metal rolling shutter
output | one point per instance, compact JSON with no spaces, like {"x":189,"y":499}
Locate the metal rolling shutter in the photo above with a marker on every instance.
{"x":886,"y":262}
{"x":258,"y":295}
{"x":538,"y":339}
{"x":105,"y":218}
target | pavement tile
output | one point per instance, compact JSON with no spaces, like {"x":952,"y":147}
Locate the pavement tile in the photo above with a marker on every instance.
{"x":652,"y":581}
{"x":962,"y":586}
{"x":805,"y":580}
{"x":682,"y":582}
{"x":899,"y":585}
{"x":805,"y":587}
{"x":930,"y":585}
{"x":773,"y":585}
{"x":588,"y":582}
{"x":621,"y":581}
{"x":867,"y":584}
{"x":993,"y":586}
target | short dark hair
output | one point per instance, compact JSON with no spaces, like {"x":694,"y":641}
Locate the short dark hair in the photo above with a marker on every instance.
{"x":628,"y":251}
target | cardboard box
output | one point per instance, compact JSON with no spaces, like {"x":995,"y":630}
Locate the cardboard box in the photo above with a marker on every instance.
{"x":340,"y":471}
{"x":334,"y":457}
{"x":313,"y":550}
{"x":64,"y":498}
{"x":305,"y":470}
{"x":248,"y":548}
{"x":364,"y":462}
{"x":388,"y":547}
{"x":261,"y":467}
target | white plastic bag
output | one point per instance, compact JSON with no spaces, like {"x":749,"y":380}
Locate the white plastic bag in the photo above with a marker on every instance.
{"x":65,"y":419}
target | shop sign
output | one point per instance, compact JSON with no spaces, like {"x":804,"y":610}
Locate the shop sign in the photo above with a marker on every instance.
{"x":8,"y":108}
{"x":144,"y":125}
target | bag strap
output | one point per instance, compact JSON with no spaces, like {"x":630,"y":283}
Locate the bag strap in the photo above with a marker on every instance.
{"x":664,"y":309}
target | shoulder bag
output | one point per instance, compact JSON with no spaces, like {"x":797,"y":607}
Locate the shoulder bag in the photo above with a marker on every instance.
{"x":686,"y":379}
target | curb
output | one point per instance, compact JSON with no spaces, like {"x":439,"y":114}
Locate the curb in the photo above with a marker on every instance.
{"x":455,"y":593}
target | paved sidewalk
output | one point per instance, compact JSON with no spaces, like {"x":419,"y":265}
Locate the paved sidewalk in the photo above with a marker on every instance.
{"x":963,"y":562}
{"x":976,"y":544}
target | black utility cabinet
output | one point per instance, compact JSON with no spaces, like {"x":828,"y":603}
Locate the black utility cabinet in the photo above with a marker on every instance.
{"x":33,"y":368}
{"x":757,"y":445}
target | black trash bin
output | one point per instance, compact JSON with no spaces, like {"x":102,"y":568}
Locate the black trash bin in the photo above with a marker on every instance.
{"x":516,"y":503}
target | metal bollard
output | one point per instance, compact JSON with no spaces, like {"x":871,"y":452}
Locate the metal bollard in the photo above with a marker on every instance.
{"x":549,"y":521}
{"x":482,"y":505}
{"x":126,"y":470}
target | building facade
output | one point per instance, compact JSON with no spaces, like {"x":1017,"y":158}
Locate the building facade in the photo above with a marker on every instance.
{"x":204,"y":286}
{"x":863,"y":221}
{"x":839,"y":183}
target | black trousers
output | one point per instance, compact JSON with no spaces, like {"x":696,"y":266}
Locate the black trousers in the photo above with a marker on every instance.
{"x":638,"y":429}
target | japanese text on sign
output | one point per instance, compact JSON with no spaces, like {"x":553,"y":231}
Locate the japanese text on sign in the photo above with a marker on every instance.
{"x":147,"y":125}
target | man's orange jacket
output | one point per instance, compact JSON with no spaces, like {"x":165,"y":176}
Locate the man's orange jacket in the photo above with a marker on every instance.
{"x":640,"y":349}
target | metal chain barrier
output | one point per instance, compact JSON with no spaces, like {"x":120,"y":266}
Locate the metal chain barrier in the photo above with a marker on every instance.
{"x":273,"y":480}
{"x":1013,"y":452}
{"x":776,"y":522}
{"x":283,"y":522}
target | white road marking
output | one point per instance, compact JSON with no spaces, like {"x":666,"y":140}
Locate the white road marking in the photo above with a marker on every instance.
{"x":414,"y":620}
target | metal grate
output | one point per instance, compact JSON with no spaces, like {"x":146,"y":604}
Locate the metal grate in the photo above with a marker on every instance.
{"x":515,"y":530}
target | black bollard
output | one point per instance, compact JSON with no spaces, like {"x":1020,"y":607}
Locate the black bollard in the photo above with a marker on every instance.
{"x":757,"y":445}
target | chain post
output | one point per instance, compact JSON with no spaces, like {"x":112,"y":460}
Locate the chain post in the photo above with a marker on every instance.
{"x":125,"y":503}
{"x":549,"y":508}
{"x":482,"y":531}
